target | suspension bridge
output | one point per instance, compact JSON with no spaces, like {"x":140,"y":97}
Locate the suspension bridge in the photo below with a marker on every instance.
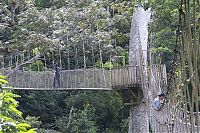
{"x":86,"y":78}
{"x":137,"y":86}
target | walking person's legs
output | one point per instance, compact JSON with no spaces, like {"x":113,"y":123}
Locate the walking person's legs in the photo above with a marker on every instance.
{"x":54,"y":82}
{"x":58,"y":82}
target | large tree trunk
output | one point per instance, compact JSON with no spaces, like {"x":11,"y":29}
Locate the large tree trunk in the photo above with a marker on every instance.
{"x":138,"y":42}
{"x":139,"y":119}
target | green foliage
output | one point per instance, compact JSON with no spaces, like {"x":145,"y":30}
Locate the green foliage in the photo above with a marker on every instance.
{"x":43,"y":3}
{"x":124,"y":125}
{"x":2,"y":80}
{"x":163,"y":29}
{"x":33,"y":121}
{"x":48,"y":106}
{"x":99,"y":64}
{"x":46,"y":25}
{"x":108,"y":65}
{"x":10,"y":116}
{"x":82,"y":121}
{"x":37,"y":66}
{"x":109,"y":105}
{"x":54,"y":109}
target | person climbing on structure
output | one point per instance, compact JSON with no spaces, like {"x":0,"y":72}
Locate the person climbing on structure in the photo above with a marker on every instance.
{"x":56,"y":76}
{"x":159,"y":102}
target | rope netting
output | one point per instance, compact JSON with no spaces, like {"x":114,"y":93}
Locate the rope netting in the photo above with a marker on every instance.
{"x":181,"y":110}
{"x":174,"y":115}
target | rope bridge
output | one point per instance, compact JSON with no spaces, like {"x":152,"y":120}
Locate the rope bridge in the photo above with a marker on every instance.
{"x":20,"y":76}
{"x":77,"y":79}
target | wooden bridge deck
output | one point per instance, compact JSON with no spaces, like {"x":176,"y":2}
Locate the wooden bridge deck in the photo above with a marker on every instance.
{"x":80,"y":79}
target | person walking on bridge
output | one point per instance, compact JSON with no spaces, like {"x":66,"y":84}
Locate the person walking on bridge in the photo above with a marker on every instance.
{"x":56,"y":76}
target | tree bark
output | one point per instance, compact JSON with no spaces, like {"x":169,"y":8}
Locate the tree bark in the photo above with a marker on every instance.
{"x":139,"y":122}
{"x":139,"y":119}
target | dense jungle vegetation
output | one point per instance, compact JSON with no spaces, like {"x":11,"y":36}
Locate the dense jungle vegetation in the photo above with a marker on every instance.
{"x":45,"y":25}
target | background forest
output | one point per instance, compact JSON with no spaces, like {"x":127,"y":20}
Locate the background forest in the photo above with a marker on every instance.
{"x":49,"y":25}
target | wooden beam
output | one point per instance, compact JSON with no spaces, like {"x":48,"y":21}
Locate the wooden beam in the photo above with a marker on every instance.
{"x":133,"y":94}
{"x":131,"y":104}
{"x":59,"y":89}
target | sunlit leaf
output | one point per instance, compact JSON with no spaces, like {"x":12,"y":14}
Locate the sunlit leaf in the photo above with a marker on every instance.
{"x":3,"y":81}
{"x":2,"y":77}
{"x":9,"y":94}
{"x":31,"y":131}
{"x":23,"y":125}
{"x":14,"y":110}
